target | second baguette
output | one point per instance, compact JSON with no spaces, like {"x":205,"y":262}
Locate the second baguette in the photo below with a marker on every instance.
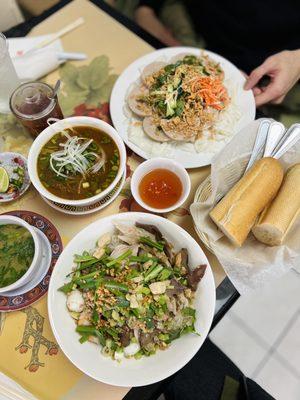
{"x":236,"y":213}
{"x":276,"y":220}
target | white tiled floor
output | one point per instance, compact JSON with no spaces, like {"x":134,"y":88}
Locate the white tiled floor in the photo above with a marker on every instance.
{"x":289,"y":348}
{"x":277,"y":381}
{"x":261,"y":334}
{"x":271,"y":306}
{"x":251,"y":354}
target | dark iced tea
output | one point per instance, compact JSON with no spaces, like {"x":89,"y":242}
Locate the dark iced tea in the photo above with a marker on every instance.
{"x":33,"y":104}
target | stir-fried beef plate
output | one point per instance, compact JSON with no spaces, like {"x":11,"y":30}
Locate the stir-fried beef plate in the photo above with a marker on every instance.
{"x":132,"y":294}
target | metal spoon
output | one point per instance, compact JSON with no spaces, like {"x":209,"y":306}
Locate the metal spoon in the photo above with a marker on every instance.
{"x":284,"y":138}
{"x":260,"y":141}
{"x":291,"y":139}
{"x":275,"y":133}
{"x":56,"y":88}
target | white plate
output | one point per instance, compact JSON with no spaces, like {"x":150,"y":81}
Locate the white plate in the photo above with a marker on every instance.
{"x":87,"y":357}
{"x":83,"y":210}
{"x":41,"y":272}
{"x":245,"y":101}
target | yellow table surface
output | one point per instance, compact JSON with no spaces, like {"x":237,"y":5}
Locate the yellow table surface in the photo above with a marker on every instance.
{"x":58,"y":378}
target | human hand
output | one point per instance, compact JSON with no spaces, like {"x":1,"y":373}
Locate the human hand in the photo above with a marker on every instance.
{"x":284,"y":71}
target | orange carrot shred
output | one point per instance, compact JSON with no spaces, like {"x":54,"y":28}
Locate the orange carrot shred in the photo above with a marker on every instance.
{"x":211,"y":90}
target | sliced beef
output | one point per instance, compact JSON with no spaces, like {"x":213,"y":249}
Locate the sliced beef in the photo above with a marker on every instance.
{"x":125,"y":337}
{"x":181,"y":258}
{"x":142,"y":251}
{"x":169,"y":252}
{"x":195,"y":276}
{"x":146,"y":338}
{"x":135,"y":266}
{"x":177,"y":288}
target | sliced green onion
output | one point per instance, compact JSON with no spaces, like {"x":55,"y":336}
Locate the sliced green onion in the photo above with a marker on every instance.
{"x":110,"y":284}
{"x":84,"y":338}
{"x":151,"y":268}
{"x":157,"y":245}
{"x":87,"y":276}
{"x":142,"y":259}
{"x":86,"y":329}
{"x":112,"y":332}
{"x":154,"y":273}
{"x":165,"y":274}
{"x":120,"y":258}
{"x":100,"y":337}
{"x":83,"y":258}
{"x":122,"y":302}
{"x":86,"y":264}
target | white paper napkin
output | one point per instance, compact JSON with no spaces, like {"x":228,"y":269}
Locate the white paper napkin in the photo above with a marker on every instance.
{"x":9,"y":387}
{"x":34,"y":65}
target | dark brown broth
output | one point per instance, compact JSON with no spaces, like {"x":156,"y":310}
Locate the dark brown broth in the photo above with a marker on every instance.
{"x":72,"y":188}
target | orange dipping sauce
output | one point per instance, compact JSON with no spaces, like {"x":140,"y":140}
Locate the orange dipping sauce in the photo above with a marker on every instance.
{"x":160,"y":188}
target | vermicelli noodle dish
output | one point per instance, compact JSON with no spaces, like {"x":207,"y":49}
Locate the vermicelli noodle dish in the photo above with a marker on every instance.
{"x":78,"y":163}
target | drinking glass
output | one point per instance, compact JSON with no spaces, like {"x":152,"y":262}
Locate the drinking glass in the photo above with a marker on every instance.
{"x":8,"y":77}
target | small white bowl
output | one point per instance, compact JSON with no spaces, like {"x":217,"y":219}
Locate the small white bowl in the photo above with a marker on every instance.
{"x":9,"y":219}
{"x":160,"y":163}
{"x":57,"y":127}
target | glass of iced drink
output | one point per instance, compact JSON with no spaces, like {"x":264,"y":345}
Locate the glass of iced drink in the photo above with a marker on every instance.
{"x":8,"y":77}
{"x":33,"y":104}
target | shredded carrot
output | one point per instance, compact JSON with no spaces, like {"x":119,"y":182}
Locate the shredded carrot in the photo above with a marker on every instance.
{"x":211,"y":90}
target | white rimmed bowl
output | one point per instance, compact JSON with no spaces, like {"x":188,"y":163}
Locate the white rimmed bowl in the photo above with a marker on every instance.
{"x":32,"y":270}
{"x":129,"y":372}
{"x":57,"y":127}
{"x":157,"y":163}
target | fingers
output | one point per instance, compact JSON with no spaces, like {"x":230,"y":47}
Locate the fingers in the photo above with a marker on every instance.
{"x":271,"y":93}
{"x":282,"y":69}
{"x":279,"y":100}
{"x":256,"y":91}
{"x":257,"y":74}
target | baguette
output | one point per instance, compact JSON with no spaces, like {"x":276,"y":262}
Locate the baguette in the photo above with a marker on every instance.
{"x":276,"y":220}
{"x":237,"y":212}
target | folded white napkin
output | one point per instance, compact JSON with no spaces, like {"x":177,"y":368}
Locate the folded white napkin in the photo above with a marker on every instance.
{"x":36,"y":64}
{"x":260,"y":334}
{"x":9,"y":389}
